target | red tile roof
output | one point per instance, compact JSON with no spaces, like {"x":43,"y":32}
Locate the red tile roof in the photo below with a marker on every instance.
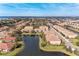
{"x":6,"y":45}
{"x":51,"y":36}
{"x":10,"y":38}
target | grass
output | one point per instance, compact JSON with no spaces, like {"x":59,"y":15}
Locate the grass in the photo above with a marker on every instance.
{"x":14,"y":52}
{"x":50,"y":48}
{"x":75,"y":41}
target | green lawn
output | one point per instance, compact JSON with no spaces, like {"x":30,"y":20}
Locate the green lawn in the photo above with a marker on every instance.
{"x":75,"y":41}
{"x":54,"y":47}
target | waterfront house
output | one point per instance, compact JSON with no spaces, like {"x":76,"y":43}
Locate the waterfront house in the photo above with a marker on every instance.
{"x":37,"y":30}
{"x":9,"y":39}
{"x":52,"y":38}
{"x":5,"y":47}
{"x":27,"y":29}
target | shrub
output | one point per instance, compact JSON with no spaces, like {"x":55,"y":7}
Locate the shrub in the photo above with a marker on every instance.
{"x":18,"y":45}
{"x":76,"y":52}
{"x":44,"y":43}
{"x":77,"y":43}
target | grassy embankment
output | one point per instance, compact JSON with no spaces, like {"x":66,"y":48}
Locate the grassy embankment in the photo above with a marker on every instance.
{"x":75,"y":41}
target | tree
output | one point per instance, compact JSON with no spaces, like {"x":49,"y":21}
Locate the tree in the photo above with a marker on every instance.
{"x":77,"y":37}
{"x":0,"y":53}
{"x":77,"y":43}
{"x":69,"y":49}
{"x":43,"y":44}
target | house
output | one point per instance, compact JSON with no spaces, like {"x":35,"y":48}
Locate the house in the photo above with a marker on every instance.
{"x":3,"y":34}
{"x":37,"y":30}
{"x":52,"y":38}
{"x":43,"y":28}
{"x":17,"y":23}
{"x":11,"y":31}
{"x":65,"y":32}
{"x":20,"y":24}
{"x":6,"y":47}
{"x":4,"y":28}
{"x":9,"y":39}
{"x":27,"y":29}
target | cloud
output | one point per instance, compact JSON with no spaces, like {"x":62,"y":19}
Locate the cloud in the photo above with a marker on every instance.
{"x":36,"y":9}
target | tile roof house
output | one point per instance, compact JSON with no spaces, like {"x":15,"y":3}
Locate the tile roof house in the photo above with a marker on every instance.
{"x":65,"y":32}
{"x":27,"y":29}
{"x":17,"y":23}
{"x":6,"y":47}
{"x":43,"y":28}
{"x":37,"y":30}
{"x":9,"y":39}
{"x":3,"y":34}
{"x":52,"y":38}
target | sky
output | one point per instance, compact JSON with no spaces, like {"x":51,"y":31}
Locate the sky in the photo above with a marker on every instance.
{"x":39,"y":9}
